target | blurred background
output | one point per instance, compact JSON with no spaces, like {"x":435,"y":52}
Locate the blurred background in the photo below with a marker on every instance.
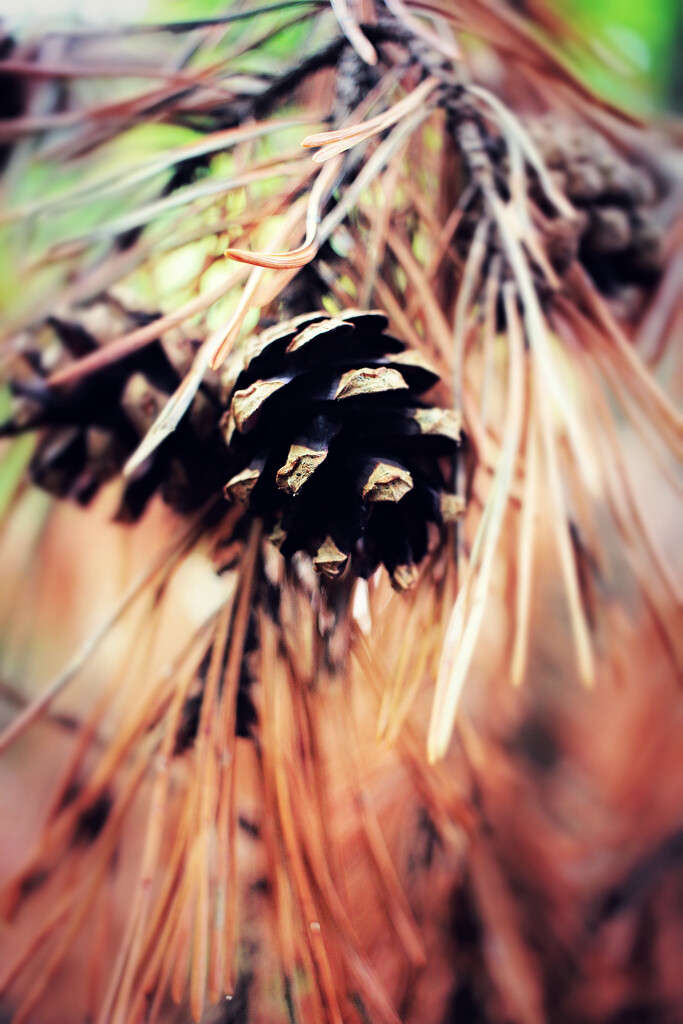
{"x":638,"y":45}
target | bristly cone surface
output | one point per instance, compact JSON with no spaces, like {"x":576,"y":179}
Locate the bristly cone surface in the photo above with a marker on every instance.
{"x":341,"y":458}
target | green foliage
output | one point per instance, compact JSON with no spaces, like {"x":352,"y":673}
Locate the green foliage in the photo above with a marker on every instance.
{"x":634,"y":48}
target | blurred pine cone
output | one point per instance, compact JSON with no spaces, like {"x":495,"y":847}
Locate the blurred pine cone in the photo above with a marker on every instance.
{"x":614,"y":234}
{"x":90,"y":427}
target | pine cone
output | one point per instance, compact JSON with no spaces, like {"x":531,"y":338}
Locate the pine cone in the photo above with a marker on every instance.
{"x":91,"y":427}
{"x":341,"y":459}
{"x":614,"y":235}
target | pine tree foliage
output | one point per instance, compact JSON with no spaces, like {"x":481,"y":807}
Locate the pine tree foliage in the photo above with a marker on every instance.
{"x":323,"y":288}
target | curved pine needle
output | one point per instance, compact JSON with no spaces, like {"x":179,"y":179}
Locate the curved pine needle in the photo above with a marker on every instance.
{"x":353,"y":32}
{"x":345,"y":138}
{"x":305,"y":252}
{"x":447,"y":47}
{"x":293,"y":260}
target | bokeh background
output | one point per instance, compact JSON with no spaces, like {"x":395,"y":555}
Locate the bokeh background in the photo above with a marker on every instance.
{"x":638,"y":44}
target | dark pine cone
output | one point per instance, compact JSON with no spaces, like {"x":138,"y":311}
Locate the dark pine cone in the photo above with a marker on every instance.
{"x":614,"y":236}
{"x":88,"y":429}
{"x":340,"y":457}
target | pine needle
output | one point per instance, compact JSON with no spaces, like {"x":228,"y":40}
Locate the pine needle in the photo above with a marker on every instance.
{"x":468,"y":612}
